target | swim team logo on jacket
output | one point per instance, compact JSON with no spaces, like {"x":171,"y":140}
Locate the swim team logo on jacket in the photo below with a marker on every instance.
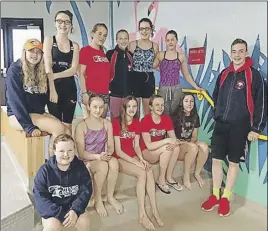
{"x":56,"y":192}
{"x":240,"y":97}
{"x":60,"y":192}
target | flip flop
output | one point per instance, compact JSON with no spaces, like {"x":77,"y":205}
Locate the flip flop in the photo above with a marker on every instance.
{"x":163,"y":188}
{"x":176,"y":186}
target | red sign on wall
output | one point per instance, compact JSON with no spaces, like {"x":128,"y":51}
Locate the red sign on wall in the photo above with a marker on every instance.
{"x":196,"y":55}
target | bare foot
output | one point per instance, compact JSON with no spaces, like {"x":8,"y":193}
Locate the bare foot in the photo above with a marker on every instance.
{"x":116,"y":205}
{"x":99,"y":206}
{"x":147,"y":224}
{"x":187,"y":182}
{"x":200,"y":180}
{"x":158,"y":219}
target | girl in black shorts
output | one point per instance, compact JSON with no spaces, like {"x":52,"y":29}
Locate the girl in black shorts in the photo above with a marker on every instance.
{"x":144,"y":52}
{"x":61,"y":57}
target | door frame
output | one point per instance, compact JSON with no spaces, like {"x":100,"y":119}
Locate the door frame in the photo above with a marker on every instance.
{"x":8,"y":24}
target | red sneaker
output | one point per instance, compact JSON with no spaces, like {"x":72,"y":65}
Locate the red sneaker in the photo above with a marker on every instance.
{"x":224,"y":207}
{"x":210,"y":203}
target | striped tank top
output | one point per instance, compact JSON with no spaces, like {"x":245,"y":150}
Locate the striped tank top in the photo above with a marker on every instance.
{"x":95,"y":140}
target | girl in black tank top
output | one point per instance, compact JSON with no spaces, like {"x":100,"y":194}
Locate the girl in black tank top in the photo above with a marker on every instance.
{"x":61,"y":61}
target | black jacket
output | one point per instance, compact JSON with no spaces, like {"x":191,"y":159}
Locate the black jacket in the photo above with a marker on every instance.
{"x":121,"y":67}
{"x":21,"y":100}
{"x":240,"y":97}
{"x":56,"y":192}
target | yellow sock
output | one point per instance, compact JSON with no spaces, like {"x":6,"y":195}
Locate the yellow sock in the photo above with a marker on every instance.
{"x":216,"y":192}
{"x":227,"y":194}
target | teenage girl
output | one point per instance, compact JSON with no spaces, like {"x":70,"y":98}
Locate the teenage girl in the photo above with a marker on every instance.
{"x":170,"y":63}
{"x":94,"y":70}
{"x":144,"y":52}
{"x":26,"y":93}
{"x":186,"y":123}
{"x":159,"y":143}
{"x":95,"y":144}
{"x":121,"y":65}
{"x":126,"y":130}
{"x":61,"y":62}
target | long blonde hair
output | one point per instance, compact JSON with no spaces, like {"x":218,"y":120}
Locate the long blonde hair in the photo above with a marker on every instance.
{"x":34,"y":77}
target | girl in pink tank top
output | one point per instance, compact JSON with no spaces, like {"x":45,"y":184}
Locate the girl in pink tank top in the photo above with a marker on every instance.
{"x":170,"y":62}
{"x":95,"y":145}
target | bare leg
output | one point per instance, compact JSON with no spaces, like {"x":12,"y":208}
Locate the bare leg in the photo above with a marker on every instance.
{"x":161,"y":155}
{"x":150,"y":188}
{"x":231,"y":175}
{"x":111,"y":182}
{"x":133,"y":170}
{"x":50,"y":124}
{"x":99,"y":169}
{"x":217,"y":173}
{"x":172,"y":162}
{"x":83,"y":222}
{"x":201,"y":159}
{"x":51,"y":224}
{"x":145,"y":106}
{"x":46,"y":123}
{"x":188,"y":154}
{"x":68,"y":127}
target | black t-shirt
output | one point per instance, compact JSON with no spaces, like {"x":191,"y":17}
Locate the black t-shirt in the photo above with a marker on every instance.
{"x":185,"y":131}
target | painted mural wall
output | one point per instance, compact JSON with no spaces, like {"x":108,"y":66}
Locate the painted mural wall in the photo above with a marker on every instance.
{"x":212,"y":25}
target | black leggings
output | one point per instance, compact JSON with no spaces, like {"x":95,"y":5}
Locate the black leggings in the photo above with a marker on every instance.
{"x":67,"y":97}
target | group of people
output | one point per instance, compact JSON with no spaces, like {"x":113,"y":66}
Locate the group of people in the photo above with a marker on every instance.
{"x":120,"y":80}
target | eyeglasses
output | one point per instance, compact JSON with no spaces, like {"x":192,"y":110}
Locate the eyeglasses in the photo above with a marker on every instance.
{"x":66,"y":22}
{"x":145,"y":29}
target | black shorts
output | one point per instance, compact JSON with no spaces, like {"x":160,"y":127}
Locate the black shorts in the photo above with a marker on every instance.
{"x":67,"y":97}
{"x":229,"y":140}
{"x":143,"y":84}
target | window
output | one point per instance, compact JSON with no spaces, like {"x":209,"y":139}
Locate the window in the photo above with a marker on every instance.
{"x":19,"y":38}
{"x":14,"y":33}
{"x":2,"y":50}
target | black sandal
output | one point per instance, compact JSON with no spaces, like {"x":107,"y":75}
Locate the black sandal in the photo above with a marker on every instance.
{"x":162,"y":188}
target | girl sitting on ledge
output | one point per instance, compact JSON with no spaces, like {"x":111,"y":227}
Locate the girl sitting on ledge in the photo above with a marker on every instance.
{"x":26,"y":94}
{"x":126,"y":130}
{"x":95,"y":144}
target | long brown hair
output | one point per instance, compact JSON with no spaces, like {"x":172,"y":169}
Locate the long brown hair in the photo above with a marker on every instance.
{"x":34,"y":76}
{"x":178,"y":116}
{"x":95,"y":28}
{"x":123,"y":115}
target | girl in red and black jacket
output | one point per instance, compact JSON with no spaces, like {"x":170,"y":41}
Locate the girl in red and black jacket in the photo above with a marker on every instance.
{"x":121,"y":65}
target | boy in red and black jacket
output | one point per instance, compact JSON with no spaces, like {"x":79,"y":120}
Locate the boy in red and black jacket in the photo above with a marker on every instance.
{"x":240,"y":114}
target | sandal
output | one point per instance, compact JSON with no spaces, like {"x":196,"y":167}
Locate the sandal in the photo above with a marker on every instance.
{"x":176,"y":186}
{"x":163,"y":188}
